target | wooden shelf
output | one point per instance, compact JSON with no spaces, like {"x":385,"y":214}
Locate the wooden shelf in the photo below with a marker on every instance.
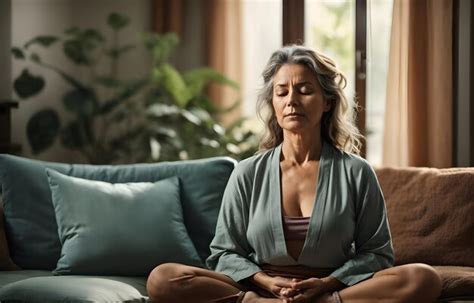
{"x":6,"y":145}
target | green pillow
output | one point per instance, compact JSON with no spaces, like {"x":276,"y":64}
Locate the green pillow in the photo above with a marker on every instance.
{"x":119,"y":229}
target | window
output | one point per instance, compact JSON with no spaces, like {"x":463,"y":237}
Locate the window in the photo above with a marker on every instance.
{"x":337,"y":28}
{"x":261,"y":35}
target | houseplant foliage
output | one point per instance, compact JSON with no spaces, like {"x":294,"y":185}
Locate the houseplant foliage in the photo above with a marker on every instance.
{"x":164,"y":115}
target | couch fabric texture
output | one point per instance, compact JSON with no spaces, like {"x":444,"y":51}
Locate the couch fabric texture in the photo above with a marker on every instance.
{"x":431,"y":215}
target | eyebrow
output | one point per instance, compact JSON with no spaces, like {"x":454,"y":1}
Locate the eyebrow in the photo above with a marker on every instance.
{"x":297,"y":84}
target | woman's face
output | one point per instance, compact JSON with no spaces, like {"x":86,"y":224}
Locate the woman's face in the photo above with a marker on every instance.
{"x":297,"y":99}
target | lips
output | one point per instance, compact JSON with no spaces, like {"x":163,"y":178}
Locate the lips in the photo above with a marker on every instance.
{"x":294,"y":115}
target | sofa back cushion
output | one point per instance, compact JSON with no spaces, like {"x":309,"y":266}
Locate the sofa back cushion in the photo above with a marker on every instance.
{"x":430,"y":212}
{"x":30,"y":221}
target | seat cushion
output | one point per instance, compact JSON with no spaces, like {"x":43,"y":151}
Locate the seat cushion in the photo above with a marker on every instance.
{"x":76,"y":289}
{"x":29,"y":215}
{"x":7,"y":277}
{"x":430,"y":212}
{"x":119,"y":229}
{"x":458,"y":282}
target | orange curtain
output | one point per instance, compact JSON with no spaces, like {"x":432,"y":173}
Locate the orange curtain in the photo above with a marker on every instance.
{"x":418,"y":124}
{"x":167,"y":16}
{"x":223,"y":27}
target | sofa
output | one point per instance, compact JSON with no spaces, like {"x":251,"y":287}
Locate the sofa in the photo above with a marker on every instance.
{"x":82,"y":233}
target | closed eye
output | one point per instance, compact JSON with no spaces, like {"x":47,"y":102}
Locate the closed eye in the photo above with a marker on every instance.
{"x":281,"y":93}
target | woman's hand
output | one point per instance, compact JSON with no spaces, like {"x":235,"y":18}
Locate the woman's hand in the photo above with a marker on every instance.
{"x":313,"y":287}
{"x":278,"y":286}
{"x":306,"y":290}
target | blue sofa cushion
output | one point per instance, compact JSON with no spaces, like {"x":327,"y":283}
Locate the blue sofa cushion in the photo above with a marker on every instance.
{"x":29,"y":215}
{"x":76,"y":289}
{"x":124,"y":229}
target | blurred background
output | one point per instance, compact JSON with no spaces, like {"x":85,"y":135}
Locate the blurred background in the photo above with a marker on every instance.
{"x":128,"y":81}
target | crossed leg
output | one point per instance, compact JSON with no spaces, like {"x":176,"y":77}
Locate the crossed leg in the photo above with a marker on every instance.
{"x":170,"y":283}
{"x":400,"y":284}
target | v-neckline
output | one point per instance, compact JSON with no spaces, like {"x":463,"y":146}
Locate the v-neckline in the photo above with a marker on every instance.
{"x":317,"y":207}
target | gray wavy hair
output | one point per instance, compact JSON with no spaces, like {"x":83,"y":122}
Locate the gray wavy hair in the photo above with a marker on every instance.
{"x":337,"y":125}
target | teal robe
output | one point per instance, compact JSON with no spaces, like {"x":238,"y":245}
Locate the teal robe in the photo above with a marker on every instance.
{"x":348,"y":230}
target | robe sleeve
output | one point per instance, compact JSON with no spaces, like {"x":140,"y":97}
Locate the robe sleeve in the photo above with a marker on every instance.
{"x":230,"y":248}
{"x":372,"y":240}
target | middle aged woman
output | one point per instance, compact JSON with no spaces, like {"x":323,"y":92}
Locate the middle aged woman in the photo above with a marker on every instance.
{"x":304,"y":220}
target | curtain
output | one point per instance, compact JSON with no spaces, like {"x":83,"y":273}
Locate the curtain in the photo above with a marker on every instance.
{"x":223,"y":40}
{"x":168,"y":16}
{"x":419,"y":110}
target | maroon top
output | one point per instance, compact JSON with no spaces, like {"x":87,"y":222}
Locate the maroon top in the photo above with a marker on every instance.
{"x":295,"y":228}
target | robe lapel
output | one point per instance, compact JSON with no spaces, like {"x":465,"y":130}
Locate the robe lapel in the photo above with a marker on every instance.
{"x":317,"y":216}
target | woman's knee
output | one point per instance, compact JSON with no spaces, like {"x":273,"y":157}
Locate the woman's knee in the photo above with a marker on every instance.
{"x":164,"y":280}
{"x":421,"y":280}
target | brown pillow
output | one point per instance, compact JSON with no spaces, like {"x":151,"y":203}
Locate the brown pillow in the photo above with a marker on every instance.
{"x":431,"y":214}
{"x":6,"y":262}
{"x":458,"y":282}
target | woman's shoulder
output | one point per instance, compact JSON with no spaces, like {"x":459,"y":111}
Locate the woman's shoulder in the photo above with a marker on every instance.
{"x":351,"y":162}
{"x":257,"y":162}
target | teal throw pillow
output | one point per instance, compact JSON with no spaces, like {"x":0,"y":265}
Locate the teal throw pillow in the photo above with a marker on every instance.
{"x":119,"y":229}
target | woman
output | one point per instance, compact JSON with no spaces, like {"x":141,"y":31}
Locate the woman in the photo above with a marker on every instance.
{"x":304,"y":220}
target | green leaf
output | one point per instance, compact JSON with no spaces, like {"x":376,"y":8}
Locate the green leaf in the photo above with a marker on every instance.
{"x":169,"y":78}
{"x":42,"y":129}
{"x":27,"y":85}
{"x":74,"y":50}
{"x":35,"y":58}
{"x":81,"y":101}
{"x":127,"y":92}
{"x":73,"y":135}
{"x":118,"y":51}
{"x":117,"y":21}
{"x":161,"y":46}
{"x":17,"y":53}
{"x":191,"y":117}
{"x":45,"y":41}
{"x":92,"y":37}
{"x":198,"y":78}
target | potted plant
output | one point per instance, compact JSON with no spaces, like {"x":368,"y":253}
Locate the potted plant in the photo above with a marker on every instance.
{"x":165,"y":115}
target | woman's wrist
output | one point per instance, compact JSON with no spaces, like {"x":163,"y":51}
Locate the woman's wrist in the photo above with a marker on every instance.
{"x":260,"y":279}
{"x":331,"y":284}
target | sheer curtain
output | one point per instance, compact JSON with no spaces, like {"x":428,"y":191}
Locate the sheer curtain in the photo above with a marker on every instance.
{"x":418,"y":124}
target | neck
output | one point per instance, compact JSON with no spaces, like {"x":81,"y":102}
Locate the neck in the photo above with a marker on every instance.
{"x":300,"y":149}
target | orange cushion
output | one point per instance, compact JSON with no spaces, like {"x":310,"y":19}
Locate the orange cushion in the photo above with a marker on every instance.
{"x":431,"y":214}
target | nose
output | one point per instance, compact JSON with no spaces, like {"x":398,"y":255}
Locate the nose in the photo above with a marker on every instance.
{"x":293,"y":98}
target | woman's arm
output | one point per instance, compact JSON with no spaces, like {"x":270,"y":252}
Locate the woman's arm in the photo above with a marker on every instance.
{"x":230,"y":249}
{"x":373,"y":244}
